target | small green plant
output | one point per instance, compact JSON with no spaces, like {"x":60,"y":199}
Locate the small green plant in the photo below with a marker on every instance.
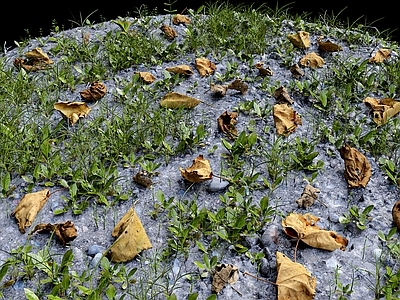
{"x":357,"y":217}
{"x":123,"y":24}
{"x":391,"y":170}
{"x":207,"y":266}
{"x":303,"y":156}
{"x":342,"y":291}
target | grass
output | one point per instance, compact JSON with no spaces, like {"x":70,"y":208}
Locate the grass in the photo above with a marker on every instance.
{"x":89,"y":159}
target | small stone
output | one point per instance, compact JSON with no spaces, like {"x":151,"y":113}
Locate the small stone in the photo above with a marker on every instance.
{"x":264,"y":267}
{"x":96,"y":260}
{"x":95,"y":249}
{"x":217,"y":184}
{"x":377,"y":253}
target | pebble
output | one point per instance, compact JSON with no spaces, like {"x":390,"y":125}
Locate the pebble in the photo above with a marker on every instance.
{"x":217,"y":184}
{"x":96,"y":260}
{"x":95,"y":249}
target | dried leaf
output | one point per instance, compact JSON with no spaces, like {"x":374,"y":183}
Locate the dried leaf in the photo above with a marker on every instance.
{"x":263,"y":71}
{"x":180,"y":19}
{"x":380,"y":56}
{"x":296,"y":71}
{"x":286,"y":119}
{"x":383,"y":109}
{"x":199,"y":171}
{"x":294,"y":280}
{"x":218,"y":90}
{"x":227,"y":122}
{"x":312,"y":60}
{"x":309,"y":195}
{"x":73,"y":110}
{"x":328,"y":46}
{"x":357,"y":168}
{"x":205,"y":66}
{"x":35,"y":60}
{"x":176,"y":100}
{"x":238,"y":85}
{"x":282,"y":96}
{"x":65,"y":232}
{"x":28,"y":207}
{"x":85,"y":38}
{"x":96,"y":91}
{"x":300,"y":39}
{"x":181,"y":69}
{"x":303,"y":227}
{"x":169,"y":32}
{"x":131,"y":238}
{"x":396,"y":214}
{"x":143,"y":179}
{"x":223,"y":274}
{"x":146,"y":76}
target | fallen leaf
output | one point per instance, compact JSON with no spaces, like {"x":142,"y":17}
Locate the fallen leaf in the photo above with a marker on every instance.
{"x":357,"y":168}
{"x":131,"y":238}
{"x":218,"y":90}
{"x":169,"y":32}
{"x":181,"y":69}
{"x":286,"y":119}
{"x":309,"y":195}
{"x":35,"y":60}
{"x":205,"y":66}
{"x":263,"y":71}
{"x":282,"y":96}
{"x":380,"y":56}
{"x":176,"y":100}
{"x":73,"y":110}
{"x":300,"y":39}
{"x":328,"y":46}
{"x":312,"y":60}
{"x":180,"y":19}
{"x":238,"y":85}
{"x":28,"y":207}
{"x":86,"y":38}
{"x":65,"y":232}
{"x":383,"y":109}
{"x":303,"y":227}
{"x":96,"y":91}
{"x":223,"y":274}
{"x":227,"y":122}
{"x":143,"y":179}
{"x":296,"y":71}
{"x":146,"y":77}
{"x":396,"y":214}
{"x":294,"y":280}
{"x":199,"y":171}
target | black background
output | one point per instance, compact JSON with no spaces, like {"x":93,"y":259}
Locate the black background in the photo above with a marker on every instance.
{"x":37,"y":16}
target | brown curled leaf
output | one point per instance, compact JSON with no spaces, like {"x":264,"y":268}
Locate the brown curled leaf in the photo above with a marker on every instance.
{"x":301,"y":39}
{"x":180,"y":69}
{"x":205,"y":66}
{"x":396,"y":214}
{"x":180,"y":19}
{"x":218,"y":89}
{"x":199,"y":171}
{"x":383,"y":109}
{"x":143,"y":179}
{"x":65,"y":232}
{"x":177,"y":100}
{"x":357,"y":168}
{"x":223,"y":274}
{"x":238,"y":85}
{"x":146,"y":76}
{"x":296,"y":71}
{"x":286,"y":119}
{"x":227,"y":122}
{"x":263,"y":71}
{"x":312,"y":60}
{"x":282,"y":96}
{"x":328,"y":46}
{"x":73,"y":111}
{"x":169,"y":32}
{"x":96,"y":91}
{"x":380,"y":56}
{"x":35,"y":60}
{"x":308,"y":197}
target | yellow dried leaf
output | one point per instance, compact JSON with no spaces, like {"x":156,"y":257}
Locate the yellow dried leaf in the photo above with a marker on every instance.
{"x":35,"y":60}
{"x":65,"y":232}
{"x":205,"y":66}
{"x":131,"y":238}
{"x":328,"y":46}
{"x":169,"y":32}
{"x":199,"y":171}
{"x":309,"y":195}
{"x":96,"y":91}
{"x":380,"y":56}
{"x":396,"y":214}
{"x":383,"y":109}
{"x":218,"y":90}
{"x":28,"y":207}
{"x":282,"y":96}
{"x":296,"y":71}
{"x":357,"y":168}
{"x":146,"y":76}
{"x":304,"y":228}
{"x":226,"y":123}
{"x":294,"y":280}
{"x":176,"y":100}
{"x":301,"y":39}
{"x":180,"y":19}
{"x":238,"y":85}
{"x":73,"y":110}
{"x":181,"y":69}
{"x":223,"y":274}
{"x":312,"y":60}
{"x":286,"y":119}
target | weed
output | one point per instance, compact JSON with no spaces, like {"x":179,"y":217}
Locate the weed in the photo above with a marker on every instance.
{"x":356,"y":216}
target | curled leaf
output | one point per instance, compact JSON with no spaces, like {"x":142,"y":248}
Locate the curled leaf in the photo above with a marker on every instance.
{"x":205,"y":66}
{"x":143,"y":179}
{"x":73,"y":110}
{"x":227,"y":122}
{"x":282,"y":96}
{"x":286,"y":119}
{"x":28,"y":207}
{"x":300,"y":39}
{"x":35,"y":60}
{"x":176,"y":100}
{"x":131,"y":238}
{"x":357,"y":168}
{"x":296,"y":71}
{"x":65,"y":232}
{"x":294,"y":280}
{"x":218,"y":90}
{"x":96,"y":91}
{"x":380,"y":56}
{"x":304,"y":228}
{"x":383,"y":109}
{"x":169,"y":32}
{"x":180,"y":19}
{"x":146,"y":77}
{"x":238,"y":85}
{"x":263,"y":71}
{"x":199,"y":171}
{"x":328,"y":46}
{"x":181,"y":69}
{"x":396,"y":214}
{"x":223,"y":274}
{"x":309,"y":195}
{"x":312,"y":60}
